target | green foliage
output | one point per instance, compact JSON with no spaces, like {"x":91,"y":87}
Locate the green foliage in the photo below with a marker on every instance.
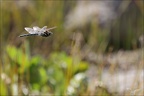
{"x":50,"y":75}
{"x":18,"y":57}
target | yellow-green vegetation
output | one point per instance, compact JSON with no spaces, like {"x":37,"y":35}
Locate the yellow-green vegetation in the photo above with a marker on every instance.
{"x":50,"y":75}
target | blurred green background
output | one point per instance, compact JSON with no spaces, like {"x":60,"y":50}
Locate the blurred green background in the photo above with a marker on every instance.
{"x":57,"y":65}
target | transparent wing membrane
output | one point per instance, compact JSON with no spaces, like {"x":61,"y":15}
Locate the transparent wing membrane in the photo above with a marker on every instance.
{"x":36,"y":28}
{"x":29,"y":30}
{"x":45,"y":27}
{"x":51,"y":28}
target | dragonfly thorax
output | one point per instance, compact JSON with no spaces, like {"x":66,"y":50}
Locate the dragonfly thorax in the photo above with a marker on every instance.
{"x":46,"y":34}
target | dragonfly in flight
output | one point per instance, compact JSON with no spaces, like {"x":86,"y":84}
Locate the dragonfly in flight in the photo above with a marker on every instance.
{"x":36,"y":31}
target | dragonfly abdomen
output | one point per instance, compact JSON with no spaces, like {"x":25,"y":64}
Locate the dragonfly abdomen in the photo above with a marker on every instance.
{"x":28,"y":35}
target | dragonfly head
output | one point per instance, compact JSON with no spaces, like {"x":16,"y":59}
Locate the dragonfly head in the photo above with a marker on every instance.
{"x":50,"y":33}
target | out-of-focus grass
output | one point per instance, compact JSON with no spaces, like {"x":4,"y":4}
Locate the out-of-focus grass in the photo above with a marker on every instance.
{"x":46,"y":76}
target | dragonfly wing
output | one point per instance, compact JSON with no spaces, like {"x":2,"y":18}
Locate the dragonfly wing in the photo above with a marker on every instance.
{"x":51,"y":28}
{"x":30,"y":30}
{"x":36,"y":28}
{"x":44,"y":29}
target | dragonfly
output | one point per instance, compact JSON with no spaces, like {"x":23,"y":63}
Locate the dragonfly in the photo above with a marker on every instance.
{"x":36,"y":31}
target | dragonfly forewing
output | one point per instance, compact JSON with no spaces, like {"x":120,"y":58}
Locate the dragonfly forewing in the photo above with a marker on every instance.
{"x":51,"y":28}
{"x":29,"y":30}
{"x":36,"y":28}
